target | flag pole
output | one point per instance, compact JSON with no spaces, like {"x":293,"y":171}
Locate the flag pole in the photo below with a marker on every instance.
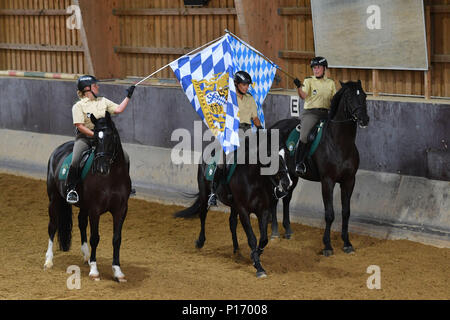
{"x":259,"y":53}
{"x":191,"y":52}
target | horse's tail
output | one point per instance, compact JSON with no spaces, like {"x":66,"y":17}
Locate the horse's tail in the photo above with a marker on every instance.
{"x":64,"y":225}
{"x":190,"y":212}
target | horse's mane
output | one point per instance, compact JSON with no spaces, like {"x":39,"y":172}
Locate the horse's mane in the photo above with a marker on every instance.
{"x":335,"y":103}
{"x":337,"y":97}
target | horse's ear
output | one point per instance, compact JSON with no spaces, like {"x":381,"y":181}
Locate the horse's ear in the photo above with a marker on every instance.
{"x":359,"y":82}
{"x":342,"y":84}
{"x":93,"y":119}
{"x":108,"y":116}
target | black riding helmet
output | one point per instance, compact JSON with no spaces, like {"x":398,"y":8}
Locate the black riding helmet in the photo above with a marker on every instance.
{"x":319,"y":61}
{"x":85,"y":81}
{"x":242,"y":77}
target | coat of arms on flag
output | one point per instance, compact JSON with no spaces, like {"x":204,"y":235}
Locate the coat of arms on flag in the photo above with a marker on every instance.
{"x":213,"y":96}
{"x":207,"y":80}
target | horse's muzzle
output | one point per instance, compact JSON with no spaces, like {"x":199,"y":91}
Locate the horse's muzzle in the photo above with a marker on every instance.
{"x":363,"y":121}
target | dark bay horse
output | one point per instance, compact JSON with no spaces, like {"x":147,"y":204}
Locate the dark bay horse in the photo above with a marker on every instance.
{"x":336,"y":159}
{"x":106,"y":187}
{"x":248,"y":192}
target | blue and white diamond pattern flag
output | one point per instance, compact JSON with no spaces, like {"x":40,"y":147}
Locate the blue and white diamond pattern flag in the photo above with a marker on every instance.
{"x":262,"y":71}
{"x":207,"y":79}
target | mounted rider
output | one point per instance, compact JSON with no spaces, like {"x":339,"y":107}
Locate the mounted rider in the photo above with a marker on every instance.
{"x":247,"y":113}
{"x":317,"y":91}
{"x":89,"y":103}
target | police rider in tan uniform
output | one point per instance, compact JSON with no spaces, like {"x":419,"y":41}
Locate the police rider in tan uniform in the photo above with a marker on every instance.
{"x":247,"y":113}
{"x":317,"y":91}
{"x":89,"y":103}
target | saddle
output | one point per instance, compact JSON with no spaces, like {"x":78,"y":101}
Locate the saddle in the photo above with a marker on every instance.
{"x":314,"y":138}
{"x":87,"y":158}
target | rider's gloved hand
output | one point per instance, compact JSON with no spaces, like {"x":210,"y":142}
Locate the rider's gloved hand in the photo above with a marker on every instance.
{"x":297,"y":83}
{"x":130,"y":91}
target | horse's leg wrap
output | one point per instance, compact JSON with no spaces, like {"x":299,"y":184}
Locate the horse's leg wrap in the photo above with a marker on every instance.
{"x":260,"y":272}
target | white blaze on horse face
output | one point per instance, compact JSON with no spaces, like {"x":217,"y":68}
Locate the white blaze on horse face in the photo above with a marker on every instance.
{"x":357,"y":92}
{"x":100,"y":134}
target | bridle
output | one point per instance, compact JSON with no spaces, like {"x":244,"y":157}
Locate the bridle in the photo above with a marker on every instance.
{"x":277,"y":186}
{"x":110,"y":156}
{"x":350,"y":114}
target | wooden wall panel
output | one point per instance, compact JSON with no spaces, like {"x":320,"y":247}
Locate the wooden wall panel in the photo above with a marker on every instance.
{"x":42,"y":41}
{"x":146,"y":42}
{"x":165,"y":37}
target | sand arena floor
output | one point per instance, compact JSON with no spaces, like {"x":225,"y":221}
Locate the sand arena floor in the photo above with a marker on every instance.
{"x":160,"y":260}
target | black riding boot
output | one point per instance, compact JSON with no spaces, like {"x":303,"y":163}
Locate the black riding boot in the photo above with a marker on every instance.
{"x":300,"y":156}
{"x":212,"y":200}
{"x":71,"y":183}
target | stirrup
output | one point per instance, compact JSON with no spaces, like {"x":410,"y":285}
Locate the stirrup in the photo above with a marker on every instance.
{"x":72,"y":197}
{"x":300,"y":168}
{"x":212,"y":201}
{"x":279,"y":194}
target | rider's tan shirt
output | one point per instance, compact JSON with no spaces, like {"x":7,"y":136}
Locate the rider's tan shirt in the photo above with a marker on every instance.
{"x":247,"y":108}
{"x":98,"y":107}
{"x":319,"y":92}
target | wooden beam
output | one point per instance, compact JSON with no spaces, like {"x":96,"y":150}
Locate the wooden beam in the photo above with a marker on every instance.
{"x":427,"y":74}
{"x":152,"y":50}
{"x":375,"y":79}
{"x":444,"y":8}
{"x":39,"y":47}
{"x":294,"y":11}
{"x":28,"y":12}
{"x":175,"y":12}
{"x":291,"y":54}
{"x":87,"y":54}
{"x":102,"y":33}
{"x":444,"y":58}
{"x":243,"y":27}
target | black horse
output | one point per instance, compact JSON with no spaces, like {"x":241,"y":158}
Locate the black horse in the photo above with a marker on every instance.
{"x":106,"y":188}
{"x":248,"y":191}
{"x":336,"y":159}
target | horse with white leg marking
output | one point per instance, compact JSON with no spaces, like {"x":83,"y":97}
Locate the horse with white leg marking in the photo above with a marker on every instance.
{"x":106,"y":188}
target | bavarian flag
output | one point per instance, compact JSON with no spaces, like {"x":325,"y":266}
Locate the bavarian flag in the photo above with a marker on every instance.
{"x":207,"y":79}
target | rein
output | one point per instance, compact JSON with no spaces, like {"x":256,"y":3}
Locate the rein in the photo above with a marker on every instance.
{"x":352,"y":117}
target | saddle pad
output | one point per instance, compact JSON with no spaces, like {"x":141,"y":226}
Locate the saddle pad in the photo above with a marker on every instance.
{"x":292,"y":140}
{"x":211,"y":169}
{"x":63,"y":172}
{"x":316,"y":141}
{"x":294,"y":136}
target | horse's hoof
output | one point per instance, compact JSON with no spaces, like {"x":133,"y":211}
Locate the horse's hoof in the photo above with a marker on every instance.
{"x":274,"y":236}
{"x":120,"y":279}
{"x":48,"y":265}
{"x":94,"y":277}
{"x":327,"y":253}
{"x":235,"y":250}
{"x":349,"y":249}
{"x":288,"y":236}
{"x":261,"y":274}
{"x":199,"y":244}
